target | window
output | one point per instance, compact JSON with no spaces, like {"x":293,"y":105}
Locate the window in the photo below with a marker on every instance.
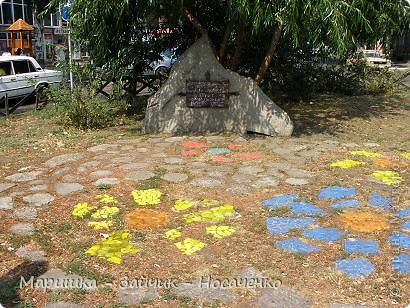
{"x":18,"y":11}
{"x":7,"y":14}
{"x":5,"y":68}
{"x":28,"y":14}
{"x":31,"y":67}
{"x":21,"y":67}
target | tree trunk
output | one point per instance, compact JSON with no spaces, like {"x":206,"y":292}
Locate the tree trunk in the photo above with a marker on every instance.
{"x":269,"y":54}
{"x":224,"y":45}
{"x":240,"y":40}
{"x":40,"y":48}
{"x":194,"y":21}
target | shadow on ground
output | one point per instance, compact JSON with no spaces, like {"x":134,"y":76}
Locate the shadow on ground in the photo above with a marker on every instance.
{"x":10,"y":282}
{"x":325,"y":114}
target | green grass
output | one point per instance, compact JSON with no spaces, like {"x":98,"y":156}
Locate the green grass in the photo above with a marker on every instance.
{"x":150,"y":183}
{"x":103,"y":186}
{"x":76,"y":267}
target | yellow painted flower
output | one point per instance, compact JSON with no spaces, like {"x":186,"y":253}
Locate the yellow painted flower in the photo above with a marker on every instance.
{"x":347,"y":164}
{"x":365,"y":153}
{"x":147,"y":196}
{"x":106,"y":212}
{"x":387,"y":177}
{"x":189,"y":246}
{"x":405,"y":155}
{"x":98,"y":225}
{"x":114,"y":247}
{"x":105,"y":198}
{"x":182,"y":205}
{"x":220,"y":231}
{"x":210,"y":202}
{"x":213,"y":214}
{"x":173,"y":234}
{"x":82,"y":209}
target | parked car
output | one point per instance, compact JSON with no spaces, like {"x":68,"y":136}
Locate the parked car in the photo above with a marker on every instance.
{"x":374,"y":57}
{"x":21,"y":75}
{"x":162,"y":67}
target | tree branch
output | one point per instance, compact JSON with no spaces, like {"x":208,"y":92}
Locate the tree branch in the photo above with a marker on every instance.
{"x":224,"y":45}
{"x":269,"y":54}
{"x":195,"y":22}
{"x":240,"y":40}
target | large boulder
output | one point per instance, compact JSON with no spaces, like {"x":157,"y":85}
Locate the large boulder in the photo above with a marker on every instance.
{"x":249,"y":111}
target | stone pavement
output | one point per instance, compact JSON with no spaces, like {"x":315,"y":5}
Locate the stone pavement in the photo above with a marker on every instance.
{"x":230,"y":164}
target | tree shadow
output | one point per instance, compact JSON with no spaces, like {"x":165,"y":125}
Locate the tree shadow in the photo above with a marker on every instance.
{"x":325,"y":114}
{"x":10,"y":281}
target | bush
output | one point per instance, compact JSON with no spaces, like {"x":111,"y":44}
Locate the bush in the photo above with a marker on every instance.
{"x":300,"y":74}
{"x":80,"y":107}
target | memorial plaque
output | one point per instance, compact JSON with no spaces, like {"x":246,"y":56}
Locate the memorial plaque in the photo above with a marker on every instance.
{"x":207,"y":93}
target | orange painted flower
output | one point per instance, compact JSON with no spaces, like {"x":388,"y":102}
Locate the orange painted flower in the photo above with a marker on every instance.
{"x":142,"y":219}
{"x":364,"y":221}
{"x":389,"y":164}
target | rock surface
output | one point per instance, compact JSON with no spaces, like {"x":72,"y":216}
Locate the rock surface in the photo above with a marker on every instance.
{"x":251,"y":110}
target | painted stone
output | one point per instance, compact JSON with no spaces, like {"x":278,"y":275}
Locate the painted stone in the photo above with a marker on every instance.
{"x":358,"y":267}
{"x":401,"y":263}
{"x":349,"y":203}
{"x":400,"y":239}
{"x":337,"y":192}
{"x":324,"y":234}
{"x":281,"y":225}
{"x":378,"y":200}
{"x":279,"y":201}
{"x":353,"y":245}
{"x":296,"y":245}
{"x":304,"y":208}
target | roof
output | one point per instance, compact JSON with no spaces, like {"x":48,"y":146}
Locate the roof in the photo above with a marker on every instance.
{"x":20,"y":25}
{"x":10,"y":58}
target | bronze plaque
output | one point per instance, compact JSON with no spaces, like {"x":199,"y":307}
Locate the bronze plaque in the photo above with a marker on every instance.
{"x":207,"y":93}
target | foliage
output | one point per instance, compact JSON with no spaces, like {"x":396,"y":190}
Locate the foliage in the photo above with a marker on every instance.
{"x":125,"y":33}
{"x":81,"y":107}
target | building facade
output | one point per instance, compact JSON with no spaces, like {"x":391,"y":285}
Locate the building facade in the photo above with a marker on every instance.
{"x":12,"y":10}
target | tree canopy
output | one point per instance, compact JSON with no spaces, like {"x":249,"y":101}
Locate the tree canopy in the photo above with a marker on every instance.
{"x":127,"y":32}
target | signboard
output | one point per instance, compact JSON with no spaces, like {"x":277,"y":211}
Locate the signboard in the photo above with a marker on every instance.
{"x":65,"y":14}
{"x":207,"y":93}
{"x":61,"y":31}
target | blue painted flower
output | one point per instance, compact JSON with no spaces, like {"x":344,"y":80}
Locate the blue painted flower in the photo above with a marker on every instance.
{"x":404,"y":213}
{"x":219,"y":151}
{"x":401,"y":263}
{"x":400,"y":239}
{"x":348,"y":203}
{"x":281,"y":225}
{"x":306,"y":208}
{"x":406,"y":225}
{"x":358,"y":267}
{"x":377,"y":199}
{"x":324,"y":234}
{"x":295,"y":245}
{"x":361,"y":246}
{"x":279,"y":201}
{"x":337,"y":192}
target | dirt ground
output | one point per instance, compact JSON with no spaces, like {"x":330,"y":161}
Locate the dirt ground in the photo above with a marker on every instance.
{"x":30,"y":139}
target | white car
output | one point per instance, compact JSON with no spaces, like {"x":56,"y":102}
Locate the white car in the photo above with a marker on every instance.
{"x":374,"y":57}
{"x":21,"y":75}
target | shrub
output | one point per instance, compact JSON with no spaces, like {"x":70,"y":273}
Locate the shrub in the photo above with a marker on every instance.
{"x":80,"y":107}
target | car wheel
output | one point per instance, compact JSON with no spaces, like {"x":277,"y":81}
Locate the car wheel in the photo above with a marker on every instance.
{"x":161,"y":71}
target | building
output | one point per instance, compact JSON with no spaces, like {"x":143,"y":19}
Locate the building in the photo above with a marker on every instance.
{"x":12,"y":10}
